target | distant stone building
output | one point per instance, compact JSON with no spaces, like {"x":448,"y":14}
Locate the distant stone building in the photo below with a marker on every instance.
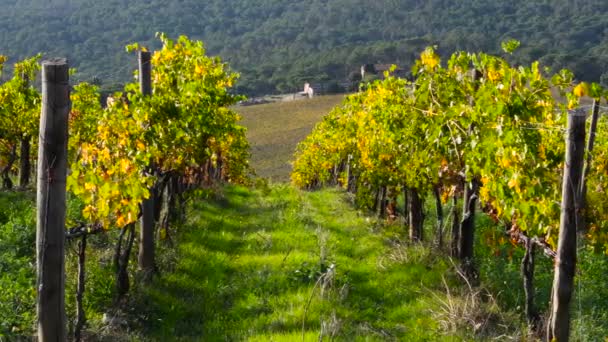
{"x":308,"y":90}
{"x":379,"y":69}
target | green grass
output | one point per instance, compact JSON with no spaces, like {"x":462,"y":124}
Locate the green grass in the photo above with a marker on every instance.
{"x":256,"y":264}
{"x":274,"y":130}
{"x":17,"y":258}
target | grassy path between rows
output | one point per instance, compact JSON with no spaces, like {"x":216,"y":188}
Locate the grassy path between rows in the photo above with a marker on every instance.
{"x":283,"y":265}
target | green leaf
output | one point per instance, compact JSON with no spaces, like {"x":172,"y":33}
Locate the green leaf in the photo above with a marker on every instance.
{"x":509,"y":46}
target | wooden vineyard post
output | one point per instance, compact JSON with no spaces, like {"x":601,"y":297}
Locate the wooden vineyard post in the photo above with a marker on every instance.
{"x":24,"y":162}
{"x":565,"y":262}
{"x":24,"y":152}
{"x":146,"y":237}
{"x":592,"y":130}
{"x":348,"y":173}
{"x":80,"y":288}
{"x":51,"y":202}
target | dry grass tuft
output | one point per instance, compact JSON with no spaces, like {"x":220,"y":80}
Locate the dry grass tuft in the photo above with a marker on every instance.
{"x":474,"y":309}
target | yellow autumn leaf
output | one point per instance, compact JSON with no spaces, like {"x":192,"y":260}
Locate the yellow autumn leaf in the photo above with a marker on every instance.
{"x":121,"y":221}
{"x":581,"y":89}
{"x":384,"y":157}
{"x":125,"y":165}
{"x":484,"y":193}
{"x":493,"y":75}
{"x":429,"y":58}
{"x":550,"y":240}
{"x":543,"y":103}
{"x":156,"y":57}
{"x":105,"y":155}
{"x":87,"y":212}
{"x":542,"y":152}
{"x":444,"y":197}
{"x":513,"y":182}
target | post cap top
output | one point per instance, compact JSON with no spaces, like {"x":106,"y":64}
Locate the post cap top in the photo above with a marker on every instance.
{"x":55,"y":61}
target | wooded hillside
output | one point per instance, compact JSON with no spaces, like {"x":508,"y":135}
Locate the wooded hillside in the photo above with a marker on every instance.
{"x":279,"y":44}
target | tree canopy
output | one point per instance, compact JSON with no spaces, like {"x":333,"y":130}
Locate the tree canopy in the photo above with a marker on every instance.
{"x":276,"y":45}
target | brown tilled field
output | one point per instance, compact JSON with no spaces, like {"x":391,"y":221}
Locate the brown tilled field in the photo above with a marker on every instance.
{"x":274,"y":130}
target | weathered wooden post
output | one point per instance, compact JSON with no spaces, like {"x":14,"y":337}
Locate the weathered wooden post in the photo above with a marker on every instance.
{"x":146,"y":237}
{"x":50,"y":201}
{"x":80,"y":288}
{"x":565,"y":262}
{"x":348,"y":176}
{"x":24,"y":150}
{"x":595,"y":113}
{"x":24,"y":162}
